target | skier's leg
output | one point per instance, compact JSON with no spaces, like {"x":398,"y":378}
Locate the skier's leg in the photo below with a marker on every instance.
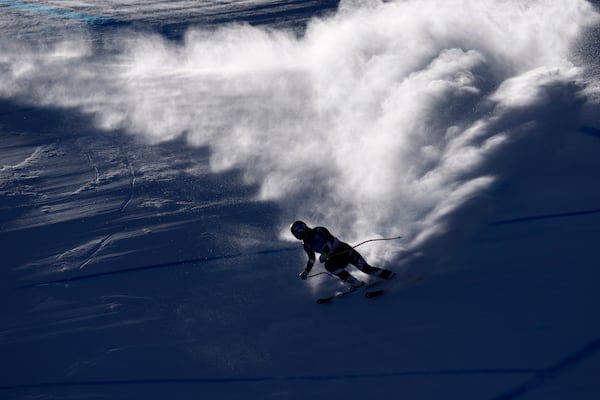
{"x":359,"y":262}
{"x":336,"y":267}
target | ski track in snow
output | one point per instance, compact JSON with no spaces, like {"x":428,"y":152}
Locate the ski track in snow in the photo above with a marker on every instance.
{"x":106,"y":172}
{"x":105,"y":241}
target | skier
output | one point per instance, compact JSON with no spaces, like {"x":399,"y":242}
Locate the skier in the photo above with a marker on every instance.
{"x":335,"y":254}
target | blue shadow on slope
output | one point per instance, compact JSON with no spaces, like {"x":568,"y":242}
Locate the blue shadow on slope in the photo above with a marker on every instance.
{"x":157,"y":266}
{"x":268,"y":251}
{"x":544,"y":216}
{"x":588,"y":130}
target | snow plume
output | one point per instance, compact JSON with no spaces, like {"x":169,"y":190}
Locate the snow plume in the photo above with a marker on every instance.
{"x":388,"y":118}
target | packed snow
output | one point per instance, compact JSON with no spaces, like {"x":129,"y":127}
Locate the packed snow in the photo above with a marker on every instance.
{"x":153,"y":155}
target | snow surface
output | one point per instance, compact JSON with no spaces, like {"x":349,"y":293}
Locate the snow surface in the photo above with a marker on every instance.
{"x":153,"y":154}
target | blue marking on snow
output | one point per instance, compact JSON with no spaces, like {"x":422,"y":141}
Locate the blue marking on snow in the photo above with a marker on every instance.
{"x":544,"y":216}
{"x":439,"y":372}
{"x":541,"y":376}
{"x":499,"y":371}
{"x":548,"y":374}
{"x":88,"y":18}
{"x":134,"y":382}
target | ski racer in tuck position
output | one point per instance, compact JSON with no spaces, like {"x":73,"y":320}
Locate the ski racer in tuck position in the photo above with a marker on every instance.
{"x":335,"y":254}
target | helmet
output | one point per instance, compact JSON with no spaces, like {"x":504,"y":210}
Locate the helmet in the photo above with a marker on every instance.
{"x":298,"y":229}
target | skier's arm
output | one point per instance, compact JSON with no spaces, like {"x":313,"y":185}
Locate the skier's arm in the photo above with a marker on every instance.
{"x":309,"y":263}
{"x":324,"y":254}
{"x":311,"y":260}
{"x":330,"y":240}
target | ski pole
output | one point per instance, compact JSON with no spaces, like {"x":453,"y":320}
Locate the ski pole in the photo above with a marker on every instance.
{"x":376,"y":240}
{"x":320,"y":273}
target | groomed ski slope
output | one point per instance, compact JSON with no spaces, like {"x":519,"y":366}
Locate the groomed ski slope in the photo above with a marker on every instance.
{"x":150,"y":167}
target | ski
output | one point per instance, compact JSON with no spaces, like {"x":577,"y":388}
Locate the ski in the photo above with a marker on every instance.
{"x":377,"y":288}
{"x":337,"y":295}
{"x":369,"y":293}
{"x":325,"y":300}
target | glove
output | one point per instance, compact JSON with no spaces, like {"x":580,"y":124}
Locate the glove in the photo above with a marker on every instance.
{"x":323,"y":258}
{"x":303,"y":275}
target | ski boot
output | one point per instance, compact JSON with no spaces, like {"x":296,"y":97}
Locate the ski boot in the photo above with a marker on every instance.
{"x":386,"y":274}
{"x":354,"y":283}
